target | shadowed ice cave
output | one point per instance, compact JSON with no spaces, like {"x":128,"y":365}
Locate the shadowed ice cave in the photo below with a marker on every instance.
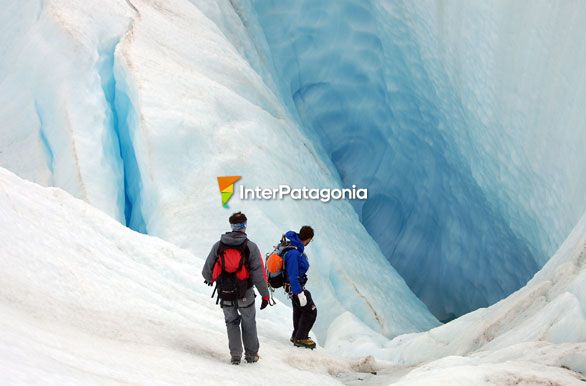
{"x":425,"y":113}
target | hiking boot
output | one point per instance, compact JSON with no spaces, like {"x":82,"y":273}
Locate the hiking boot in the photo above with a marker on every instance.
{"x":235,"y":360}
{"x":252,"y":358}
{"x":307,"y":343}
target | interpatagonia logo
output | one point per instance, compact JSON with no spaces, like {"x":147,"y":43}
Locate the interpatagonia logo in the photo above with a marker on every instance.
{"x":282,"y":191}
{"x":303,"y":193}
{"x":226,"y":184}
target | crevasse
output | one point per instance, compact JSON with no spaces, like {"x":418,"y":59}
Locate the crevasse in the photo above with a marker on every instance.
{"x":415,"y":102}
{"x":121,"y":121}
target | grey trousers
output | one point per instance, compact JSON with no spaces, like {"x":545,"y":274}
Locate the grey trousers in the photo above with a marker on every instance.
{"x":241,"y":316}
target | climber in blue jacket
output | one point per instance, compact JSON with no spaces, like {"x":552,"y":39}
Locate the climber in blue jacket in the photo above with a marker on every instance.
{"x":297,"y":265}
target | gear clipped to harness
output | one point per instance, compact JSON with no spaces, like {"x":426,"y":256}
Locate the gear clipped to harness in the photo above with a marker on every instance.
{"x":230,"y":272}
{"x":275,"y":263}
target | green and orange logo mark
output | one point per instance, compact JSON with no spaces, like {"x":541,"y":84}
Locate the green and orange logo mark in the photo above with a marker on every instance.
{"x":226,"y":184}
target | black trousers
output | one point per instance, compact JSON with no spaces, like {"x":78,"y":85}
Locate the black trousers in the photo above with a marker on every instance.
{"x":303,"y":317}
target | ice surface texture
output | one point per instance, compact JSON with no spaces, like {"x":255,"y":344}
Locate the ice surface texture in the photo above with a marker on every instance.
{"x":464,"y":120}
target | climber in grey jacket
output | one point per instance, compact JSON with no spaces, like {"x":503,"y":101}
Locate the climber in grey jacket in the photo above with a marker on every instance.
{"x":241,"y":257}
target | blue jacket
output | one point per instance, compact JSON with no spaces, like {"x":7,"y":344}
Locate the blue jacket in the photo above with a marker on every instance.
{"x":296,"y":262}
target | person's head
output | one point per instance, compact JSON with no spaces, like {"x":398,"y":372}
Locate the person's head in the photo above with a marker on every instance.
{"x":238,"y":222}
{"x":306,"y":234}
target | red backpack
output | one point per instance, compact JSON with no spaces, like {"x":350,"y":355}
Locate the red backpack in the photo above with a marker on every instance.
{"x":230,"y":273}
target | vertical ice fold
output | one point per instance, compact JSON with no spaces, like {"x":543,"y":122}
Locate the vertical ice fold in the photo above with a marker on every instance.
{"x":51,"y":82}
{"x":122,"y":121}
{"x":127,"y":120}
{"x":44,"y":140}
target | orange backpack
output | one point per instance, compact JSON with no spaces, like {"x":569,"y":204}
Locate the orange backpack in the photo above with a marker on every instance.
{"x":275,"y":263}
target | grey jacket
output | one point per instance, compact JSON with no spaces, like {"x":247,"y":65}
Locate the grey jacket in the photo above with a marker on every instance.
{"x":255,"y":263}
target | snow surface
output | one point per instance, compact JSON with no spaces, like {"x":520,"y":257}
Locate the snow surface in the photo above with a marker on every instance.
{"x":85,"y":300}
{"x":466,"y":124}
{"x":161,"y":119}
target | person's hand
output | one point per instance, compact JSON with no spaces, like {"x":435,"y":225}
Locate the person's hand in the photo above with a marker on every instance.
{"x":264,"y":303}
{"x":209,"y":283}
{"x":302,"y":299}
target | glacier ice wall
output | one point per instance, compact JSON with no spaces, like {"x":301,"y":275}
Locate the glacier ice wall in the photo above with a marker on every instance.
{"x":163,"y":97}
{"x":465,"y":124}
{"x":136,"y":106}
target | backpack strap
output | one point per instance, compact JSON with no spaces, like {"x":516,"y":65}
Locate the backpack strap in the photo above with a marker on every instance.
{"x":221,"y":249}
{"x":245,"y":253}
{"x":287,"y":249}
{"x":284,"y":252}
{"x":222,"y":258}
{"x":245,"y":261}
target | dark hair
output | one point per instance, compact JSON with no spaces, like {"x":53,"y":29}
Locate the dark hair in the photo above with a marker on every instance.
{"x":237,"y":218}
{"x":305,"y":233}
